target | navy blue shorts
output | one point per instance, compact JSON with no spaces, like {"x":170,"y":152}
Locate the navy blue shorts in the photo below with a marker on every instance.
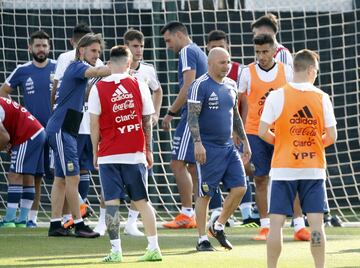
{"x":261,"y":155}
{"x":223,"y":164}
{"x":312,"y":194}
{"x":119,"y":179}
{"x":28,"y":157}
{"x":84,"y":148}
{"x":182,"y":144}
{"x":48,"y":163}
{"x":66,"y":161}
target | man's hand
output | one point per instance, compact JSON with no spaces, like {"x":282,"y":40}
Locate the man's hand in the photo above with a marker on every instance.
{"x":246,"y":155}
{"x":95,"y":161}
{"x":154,"y":119}
{"x":200,"y":153}
{"x":149,"y":159}
{"x":166,"y":122}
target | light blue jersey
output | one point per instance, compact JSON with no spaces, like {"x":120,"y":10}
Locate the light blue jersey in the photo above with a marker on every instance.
{"x":71,"y":94}
{"x":216,"y":117}
{"x":36,"y":85}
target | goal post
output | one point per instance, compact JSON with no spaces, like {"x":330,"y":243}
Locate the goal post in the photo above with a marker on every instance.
{"x":330,"y":27}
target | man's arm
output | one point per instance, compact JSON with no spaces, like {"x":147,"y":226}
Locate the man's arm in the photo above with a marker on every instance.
{"x":4,"y":137}
{"x":265,"y":133}
{"x":100,"y":71}
{"x":238,"y":128}
{"x":330,"y":136}
{"x":194,"y":110}
{"x":53,"y":92}
{"x":5,"y":90}
{"x":189,"y":77}
{"x":157,"y":101}
{"x":95,"y":136}
{"x":147,"y":128}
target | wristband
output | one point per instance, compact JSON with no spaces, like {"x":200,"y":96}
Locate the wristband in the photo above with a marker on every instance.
{"x":171,"y":113}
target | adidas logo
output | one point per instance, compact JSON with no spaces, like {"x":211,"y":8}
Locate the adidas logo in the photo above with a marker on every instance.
{"x":213,"y":97}
{"x":120,"y":94}
{"x":303,"y":116}
{"x":263,"y":98}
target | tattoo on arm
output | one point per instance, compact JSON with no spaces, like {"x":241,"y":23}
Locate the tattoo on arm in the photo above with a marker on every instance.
{"x":316,"y":239}
{"x":238,"y":125}
{"x":147,"y":127}
{"x":193,"y":120}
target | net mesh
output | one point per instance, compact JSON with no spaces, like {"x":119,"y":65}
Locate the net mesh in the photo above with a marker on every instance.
{"x":329,"y":27}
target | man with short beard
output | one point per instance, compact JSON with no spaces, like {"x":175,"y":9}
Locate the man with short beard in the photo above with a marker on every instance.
{"x":34,"y":78}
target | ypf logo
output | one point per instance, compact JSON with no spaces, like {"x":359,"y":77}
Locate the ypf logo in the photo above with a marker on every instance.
{"x":303,"y":116}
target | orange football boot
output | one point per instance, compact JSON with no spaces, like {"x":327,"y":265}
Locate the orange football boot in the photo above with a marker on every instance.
{"x":302,"y":235}
{"x":262,"y":235}
{"x":181,"y":221}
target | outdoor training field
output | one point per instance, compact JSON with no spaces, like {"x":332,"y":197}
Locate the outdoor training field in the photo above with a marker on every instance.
{"x":32,"y":248}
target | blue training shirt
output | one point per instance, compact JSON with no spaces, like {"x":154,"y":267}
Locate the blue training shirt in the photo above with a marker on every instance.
{"x":36,"y":85}
{"x":191,"y":57}
{"x":217,"y":104}
{"x":71,"y":94}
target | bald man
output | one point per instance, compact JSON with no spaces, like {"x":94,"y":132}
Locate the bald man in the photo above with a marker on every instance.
{"x":212,"y":117}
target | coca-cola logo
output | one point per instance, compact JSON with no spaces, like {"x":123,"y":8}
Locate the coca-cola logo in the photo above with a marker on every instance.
{"x":128,"y":104}
{"x":302,"y":131}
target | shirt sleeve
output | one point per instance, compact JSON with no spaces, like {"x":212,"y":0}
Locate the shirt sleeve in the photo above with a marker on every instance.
{"x":243,"y":83}
{"x":273,"y":106}
{"x":188,"y":59}
{"x":148,"y":107}
{"x":94,"y":105}
{"x":154,"y":83}
{"x":14,"y":79}
{"x":289,"y":72}
{"x":61,"y":65}
{"x":329,"y":116}
{"x":80,"y":70}
{"x":2,"y":114}
{"x":195,"y":93}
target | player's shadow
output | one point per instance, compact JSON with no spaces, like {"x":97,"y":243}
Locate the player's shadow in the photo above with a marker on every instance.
{"x":351,"y":250}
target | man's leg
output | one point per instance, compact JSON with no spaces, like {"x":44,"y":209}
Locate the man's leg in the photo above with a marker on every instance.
{"x":13,"y":199}
{"x":301,"y":233}
{"x":26,"y":201}
{"x":112,"y":219}
{"x":32,"y":218}
{"x":131,"y":226}
{"x":185,"y":186}
{"x":261,"y":193}
{"x":274,"y":239}
{"x":318,"y":238}
{"x":153,"y":252}
{"x":231,"y":203}
{"x":201,"y":210}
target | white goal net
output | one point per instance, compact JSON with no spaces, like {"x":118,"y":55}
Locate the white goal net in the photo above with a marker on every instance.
{"x":330,"y":27}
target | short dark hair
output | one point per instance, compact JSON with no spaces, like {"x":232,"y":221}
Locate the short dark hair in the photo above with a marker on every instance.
{"x":120,"y":54}
{"x":39,"y":35}
{"x":263,"y":39}
{"x":88,"y":40}
{"x":173,"y":27}
{"x":216,"y":35}
{"x":269,"y":20}
{"x":133,"y":34}
{"x":80,"y":30}
{"x":304,"y":58}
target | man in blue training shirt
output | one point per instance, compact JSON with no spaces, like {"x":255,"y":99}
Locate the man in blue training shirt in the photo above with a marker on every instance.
{"x":35,"y":80}
{"x":62,"y":129}
{"x":192,"y":64}
{"x":212,"y":117}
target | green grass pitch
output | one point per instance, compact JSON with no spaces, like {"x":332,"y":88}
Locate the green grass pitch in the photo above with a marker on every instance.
{"x":32,"y":248}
